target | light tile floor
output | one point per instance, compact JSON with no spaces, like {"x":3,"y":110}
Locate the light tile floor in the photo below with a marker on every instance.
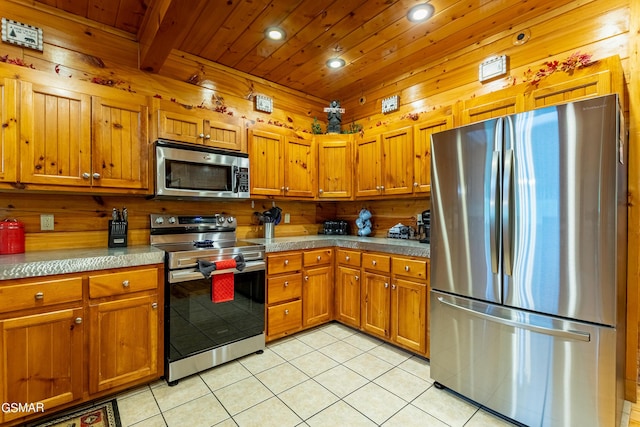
{"x":329,"y":376}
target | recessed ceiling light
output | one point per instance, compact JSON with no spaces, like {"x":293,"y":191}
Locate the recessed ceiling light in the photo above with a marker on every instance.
{"x":335,"y":63}
{"x":420,"y":12}
{"x":275,"y":33}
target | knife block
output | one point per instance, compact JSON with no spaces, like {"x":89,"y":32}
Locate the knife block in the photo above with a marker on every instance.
{"x":118,"y":234}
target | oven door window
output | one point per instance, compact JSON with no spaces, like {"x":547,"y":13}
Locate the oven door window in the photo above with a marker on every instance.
{"x":197,"y":324}
{"x":181,"y":175}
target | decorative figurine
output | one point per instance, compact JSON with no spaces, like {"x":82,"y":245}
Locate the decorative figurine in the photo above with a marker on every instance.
{"x":334,"y":113}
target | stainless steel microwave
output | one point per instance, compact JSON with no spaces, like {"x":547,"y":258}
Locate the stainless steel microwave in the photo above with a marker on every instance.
{"x":185,"y":171}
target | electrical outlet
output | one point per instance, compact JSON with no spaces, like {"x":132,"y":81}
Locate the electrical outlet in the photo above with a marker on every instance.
{"x":287,"y":218}
{"x":46,"y":222}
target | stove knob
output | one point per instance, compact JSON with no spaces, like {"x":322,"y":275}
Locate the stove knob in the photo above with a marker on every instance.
{"x":220,"y":219}
{"x":230,"y":219}
{"x":172,"y":220}
{"x":159,"y":220}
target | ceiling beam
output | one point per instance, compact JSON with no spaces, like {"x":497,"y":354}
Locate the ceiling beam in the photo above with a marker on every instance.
{"x":164,"y":26}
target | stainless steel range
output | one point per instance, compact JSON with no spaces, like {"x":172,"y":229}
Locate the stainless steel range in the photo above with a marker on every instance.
{"x":214,"y":292}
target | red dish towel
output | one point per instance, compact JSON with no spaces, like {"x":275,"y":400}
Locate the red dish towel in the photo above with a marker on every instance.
{"x":222,"y":285}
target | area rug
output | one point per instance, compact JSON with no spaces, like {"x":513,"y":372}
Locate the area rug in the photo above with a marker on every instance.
{"x":104,"y":414}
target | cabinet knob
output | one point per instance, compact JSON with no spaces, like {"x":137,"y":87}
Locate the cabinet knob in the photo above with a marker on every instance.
{"x":415,"y":184}
{"x":86,"y":175}
{"x":39,"y":296}
{"x":154,"y":305}
{"x":207,"y":136}
{"x":377,"y":187}
{"x":286,"y":262}
{"x":320,"y":191}
{"x":319,"y":258}
{"x":306,"y":278}
{"x":357,"y":278}
{"x":347,"y":258}
{"x":393,"y":286}
{"x":406,"y":268}
{"x":125,"y":283}
{"x":96,"y":175}
{"x":374,"y":262}
{"x":382,"y":187}
{"x":386,"y":285}
{"x":286,"y":283}
{"x":201,"y":135}
{"x":78,"y":320}
{"x":281,"y":188}
{"x":286,"y":312}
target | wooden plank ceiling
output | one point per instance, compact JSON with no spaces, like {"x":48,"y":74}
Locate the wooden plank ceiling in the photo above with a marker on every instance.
{"x":375,"y":38}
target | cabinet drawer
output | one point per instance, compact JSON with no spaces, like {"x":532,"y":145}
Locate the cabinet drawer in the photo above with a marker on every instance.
{"x":284,"y":263}
{"x":283,"y":288}
{"x":284,"y":317}
{"x":124,"y":282}
{"x":39,"y":294}
{"x":416,"y":268}
{"x":318,"y":257}
{"x":346,"y":257}
{"x":376,"y":262}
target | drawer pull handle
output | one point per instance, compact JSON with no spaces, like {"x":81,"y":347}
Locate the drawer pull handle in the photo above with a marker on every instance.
{"x":39,"y":296}
{"x":125,"y":283}
{"x":154,"y":305}
{"x":374,"y":262}
{"x":319,"y":258}
{"x":286,"y":283}
{"x":347,"y":258}
{"x":286,"y":312}
{"x":406,"y":268}
{"x":286,"y":262}
{"x":78,"y":320}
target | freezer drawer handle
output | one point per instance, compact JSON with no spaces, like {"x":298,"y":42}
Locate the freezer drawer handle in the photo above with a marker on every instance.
{"x":573,"y":335}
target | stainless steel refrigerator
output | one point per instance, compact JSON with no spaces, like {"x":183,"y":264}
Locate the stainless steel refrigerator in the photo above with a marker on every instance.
{"x":528,"y":263}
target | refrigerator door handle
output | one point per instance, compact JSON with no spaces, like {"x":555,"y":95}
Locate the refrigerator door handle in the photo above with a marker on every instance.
{"x":507,"y":183}
{"x":493,"y":212}
{"x":561,"y":333}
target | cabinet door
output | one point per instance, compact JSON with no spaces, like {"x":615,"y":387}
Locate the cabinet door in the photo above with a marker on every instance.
{"x":120,"y":150}
{"x":491,"y":105}
{"x":56,"y":136}
{"x":8,"y":130}
{"x":123,"y":346}
{"x":397,"y":164}
{"x":572,"y":90}
{"x":266,"y":151}
{"x":422,"y":151}
{"x":228,"y":136}
{"x":408,"y":314}
{"x":42,"y":359}
{"x":375,"y":304}
{"x":335,"y":167}
{"x":300,"y":167}
{"x":368,"y":166}
{"x":317,"y":295}
{"x":180,"y":127}
{"x":348,"y":296}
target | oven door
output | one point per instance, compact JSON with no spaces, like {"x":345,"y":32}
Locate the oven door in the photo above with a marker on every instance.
{"x":194,"y":323}
{"x":199,"y":172}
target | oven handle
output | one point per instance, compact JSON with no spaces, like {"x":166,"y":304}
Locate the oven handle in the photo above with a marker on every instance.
{"x":178,"y":276}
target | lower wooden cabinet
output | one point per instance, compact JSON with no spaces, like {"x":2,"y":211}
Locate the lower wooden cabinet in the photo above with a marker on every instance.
{"x":347,"y":282}
{"x":284,"y":293}
{"x":376,"y":304}
{"x":317,"y":287}
{"x":48,"y":324}
{"x":285,"y":317}
{"x":124,"y":343}
{"x":42,"y":359}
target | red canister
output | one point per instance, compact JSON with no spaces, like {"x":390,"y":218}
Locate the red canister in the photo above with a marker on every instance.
{"x":11,"y":236}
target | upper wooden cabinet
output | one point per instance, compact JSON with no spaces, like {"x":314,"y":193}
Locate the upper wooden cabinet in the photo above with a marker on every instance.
{"x":422,"y":148}
{"x":67,"y":141}
{"x":335,"y":166}
{"x":197,"y":126}
{"x":282,"y":163}
{"x":8,"y":130}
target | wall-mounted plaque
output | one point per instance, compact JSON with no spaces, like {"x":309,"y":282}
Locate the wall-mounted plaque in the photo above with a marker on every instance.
{"x":264,"y":103}
{"x":492,"y":67}
{"x":21,"y":34}
{"x":390,"y":104}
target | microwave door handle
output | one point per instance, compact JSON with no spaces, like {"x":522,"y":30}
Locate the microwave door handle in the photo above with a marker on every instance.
{"x":236,"y":178}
